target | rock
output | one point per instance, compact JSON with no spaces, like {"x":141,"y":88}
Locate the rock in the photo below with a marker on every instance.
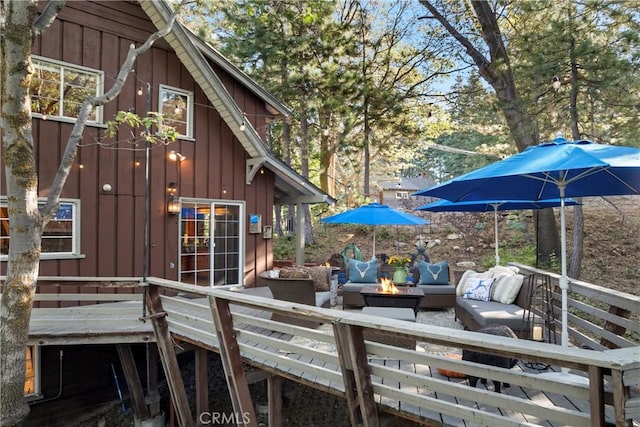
{"x":433,"y":243}
{"x":453,"y":236}
{"x":456,"y":248}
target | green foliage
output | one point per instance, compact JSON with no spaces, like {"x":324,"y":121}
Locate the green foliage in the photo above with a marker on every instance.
{"x":525,"y":254}
{"x":153,"y":120}
{"x":284,"y":247}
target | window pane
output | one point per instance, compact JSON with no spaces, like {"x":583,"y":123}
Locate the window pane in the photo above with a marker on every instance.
{"x":4,"y":230}
{"x":175,"y":108}
{"x":78,"y":86}
{"x":45,"y":90}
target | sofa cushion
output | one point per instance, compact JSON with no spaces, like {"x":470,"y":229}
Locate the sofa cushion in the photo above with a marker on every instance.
{"x":433,"y":274}
{"x":478,"y":289}
{"x":506,"y":287}
{"x":321,"y":277}
{"x":363,"y":271}
{"x":438,"y":290}
{"x":487,"y":313}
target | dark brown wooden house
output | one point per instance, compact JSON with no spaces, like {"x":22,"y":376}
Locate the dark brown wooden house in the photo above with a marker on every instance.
{"x":201,"y":214}
{"x":210,"y":193}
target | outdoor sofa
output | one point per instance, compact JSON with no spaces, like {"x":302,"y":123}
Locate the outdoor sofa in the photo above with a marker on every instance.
{"x":507,"y":303}
{"x":440,"y":293}
{"x":301,"y":290}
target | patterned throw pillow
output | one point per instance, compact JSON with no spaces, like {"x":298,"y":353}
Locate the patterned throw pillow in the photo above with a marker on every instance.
{"x":433,"y":274}
{"x":478,"y":289}
{"x":363,"y":271}
{"x":321,"y":277}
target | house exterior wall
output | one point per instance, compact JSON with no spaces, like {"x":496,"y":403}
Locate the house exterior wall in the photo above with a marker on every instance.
{"x":97,"y":35}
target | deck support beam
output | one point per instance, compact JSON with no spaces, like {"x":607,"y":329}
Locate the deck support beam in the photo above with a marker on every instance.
{"x":133,"y":381}
{"x":356,"y":374}
{"x":232,"y":362}
{"x":274,"y":393}
{"x":202,"y":380}
{"x":168,"y":358}
{"x":596,"y":396}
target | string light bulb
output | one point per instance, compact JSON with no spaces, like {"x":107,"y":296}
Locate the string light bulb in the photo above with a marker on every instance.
{"x":556,"y":83}
{"x":243,"y":127}
{"x":140,"y":91}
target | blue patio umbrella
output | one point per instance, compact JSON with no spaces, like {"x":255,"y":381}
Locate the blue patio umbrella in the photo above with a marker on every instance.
{"x":556,"y":169}
{"x":492,"y":206}
{"x":375,"y":214}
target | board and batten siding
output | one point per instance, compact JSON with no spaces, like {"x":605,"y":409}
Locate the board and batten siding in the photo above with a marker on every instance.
{"x":97,"y":35}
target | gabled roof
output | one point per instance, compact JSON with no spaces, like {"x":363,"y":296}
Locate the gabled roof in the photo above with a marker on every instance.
{"x":407,"y":184}
{"x":191,"y":51}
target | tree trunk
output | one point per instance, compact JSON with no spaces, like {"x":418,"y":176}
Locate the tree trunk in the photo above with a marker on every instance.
{"x":26,"y":225}
{"x":547,"y":239}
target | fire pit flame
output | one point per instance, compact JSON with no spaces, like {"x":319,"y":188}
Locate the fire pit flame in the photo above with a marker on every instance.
{"x":387,"y":287}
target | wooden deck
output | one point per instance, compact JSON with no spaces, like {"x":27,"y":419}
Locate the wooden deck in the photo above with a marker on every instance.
{"x":402,"y":382}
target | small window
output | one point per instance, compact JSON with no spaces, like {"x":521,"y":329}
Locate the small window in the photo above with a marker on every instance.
{"x":58,"y":89}
{"x":60,"y":237}
{"x":402,"y":195}
{"x":176,"y":107}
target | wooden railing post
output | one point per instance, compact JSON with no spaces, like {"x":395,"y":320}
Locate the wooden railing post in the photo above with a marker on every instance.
{"x":356,"y":374}
{"x":168,"y":356}
{"x":232,"y":362}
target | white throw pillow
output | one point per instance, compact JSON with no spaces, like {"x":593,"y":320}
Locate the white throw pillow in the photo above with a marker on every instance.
{"x":506,"y":287}
{"x":504,"y":269}
{"x":464,"y":280}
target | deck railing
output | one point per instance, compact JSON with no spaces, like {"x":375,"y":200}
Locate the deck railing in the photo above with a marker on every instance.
{"x":407,"y":386}
{"x":404,"y":381}
{"x":598,"y":317}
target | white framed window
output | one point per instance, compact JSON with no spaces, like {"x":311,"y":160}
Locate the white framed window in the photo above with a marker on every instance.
{"x":212,"y":237}
{"x":176,"y":107}
{"x":402,"y":194}
{"x":58,"y":89}
{"x":61,"y":236}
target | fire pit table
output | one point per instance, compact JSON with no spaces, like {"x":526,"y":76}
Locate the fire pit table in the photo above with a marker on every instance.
{"x":406,"y":297}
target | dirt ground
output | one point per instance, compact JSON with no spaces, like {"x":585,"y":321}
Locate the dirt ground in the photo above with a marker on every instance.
{"x":611,"y":239}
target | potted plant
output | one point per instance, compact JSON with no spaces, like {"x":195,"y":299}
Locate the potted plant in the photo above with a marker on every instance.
{"x":399,"y":263}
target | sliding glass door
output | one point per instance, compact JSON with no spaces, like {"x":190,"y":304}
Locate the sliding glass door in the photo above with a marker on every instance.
{"x":212,"y":242}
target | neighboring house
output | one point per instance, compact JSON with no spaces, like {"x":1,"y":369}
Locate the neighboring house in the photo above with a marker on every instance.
{"x":210,"y":194}
{"x":398,"y":193}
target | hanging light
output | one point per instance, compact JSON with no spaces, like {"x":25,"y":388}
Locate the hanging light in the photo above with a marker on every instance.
{"x":173,"y":202}
{"x":556,"y":83}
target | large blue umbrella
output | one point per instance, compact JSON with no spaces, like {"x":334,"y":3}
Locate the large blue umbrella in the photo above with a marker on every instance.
{"x":375,"y":214}
{"x":492,"y":206}
{"x":555,"y":169}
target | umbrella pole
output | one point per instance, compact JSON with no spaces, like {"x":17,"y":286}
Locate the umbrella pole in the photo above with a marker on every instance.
{"x":374,"y":241}
{"x":564,"y":283}
{"x":495,"y":232}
